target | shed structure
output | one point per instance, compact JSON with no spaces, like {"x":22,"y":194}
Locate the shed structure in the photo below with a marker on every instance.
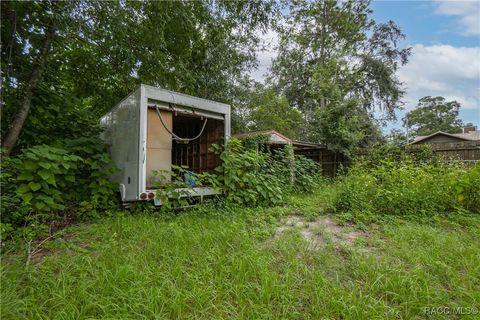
{"x":329,"y":160}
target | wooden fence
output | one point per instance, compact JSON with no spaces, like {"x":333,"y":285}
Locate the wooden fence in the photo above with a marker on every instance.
{"x":333,"y":163}
{"x":465,"y":151}
{"x":330,"y":161}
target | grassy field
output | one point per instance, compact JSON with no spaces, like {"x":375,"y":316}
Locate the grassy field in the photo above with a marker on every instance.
{"x":234,"y":263}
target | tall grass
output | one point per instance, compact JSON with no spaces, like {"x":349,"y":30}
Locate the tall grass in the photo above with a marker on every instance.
{"x":223,"y":263}
{"x":405,"y":188}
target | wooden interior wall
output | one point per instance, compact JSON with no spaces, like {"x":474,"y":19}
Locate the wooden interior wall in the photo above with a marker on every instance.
{"x":197,"y":154}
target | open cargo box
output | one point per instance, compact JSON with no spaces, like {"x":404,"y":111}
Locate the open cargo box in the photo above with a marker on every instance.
{"x":139,"y":143}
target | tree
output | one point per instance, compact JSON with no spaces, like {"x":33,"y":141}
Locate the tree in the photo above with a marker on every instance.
{"x":326,"y":32}
{"x":270,"y":111}
{"x":333,"y":56}
{"x":101,"y":51}
{"x":344,"y":127}
{"x":37,"y":32}
{"x":397,"y":137}
{"x":433,"y":114}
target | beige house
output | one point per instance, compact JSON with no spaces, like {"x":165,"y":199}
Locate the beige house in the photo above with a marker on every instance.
{"x":452,"y":147}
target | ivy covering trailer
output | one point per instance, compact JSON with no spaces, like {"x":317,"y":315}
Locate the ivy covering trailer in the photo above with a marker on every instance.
{"x":153,"y":129}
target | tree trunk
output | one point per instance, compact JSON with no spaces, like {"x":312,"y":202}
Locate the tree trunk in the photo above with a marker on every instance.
{"x":16,"y":126}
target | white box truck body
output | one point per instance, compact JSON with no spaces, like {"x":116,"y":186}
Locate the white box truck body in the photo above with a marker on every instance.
{"x":152,"y":129}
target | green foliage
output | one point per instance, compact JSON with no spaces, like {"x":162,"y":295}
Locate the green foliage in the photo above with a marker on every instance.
{"x":256,"y":142}
{"x":433,"y":114}
{"x":231,"y":262}
{"x":408,"y":188}
{"x":101,"y":51}
{"x":12,"y":207}
{"x":44,"y":172}
{"x":270,"y":111}
{"x":296,"y":173}
{"x":307,"y":175}
{"x":254,"y":178}
{"x":340,"y":43}
{"x":337,"y":65}
{"x":43,"y":186}
{"x":93,"y":176}
{"x":397,"y":137}
{"x":339,"y":120}
{"x":172,"y":188}
{"x":343,"y":127}
{"x":245,"y":176}
{"x":45,"y":183}
{"x":72,"y":182}
{"x":379,"y":153}
{"x":249,"y":175}
{"x":467,"y":187}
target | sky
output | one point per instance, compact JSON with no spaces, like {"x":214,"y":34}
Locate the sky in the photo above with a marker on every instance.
{"x":445,"y":60}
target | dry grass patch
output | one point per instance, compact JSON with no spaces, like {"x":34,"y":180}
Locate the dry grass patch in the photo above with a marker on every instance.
{"x":321,"y":230}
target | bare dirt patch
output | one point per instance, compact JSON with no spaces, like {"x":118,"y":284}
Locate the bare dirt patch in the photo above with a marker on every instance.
{"x":320,"y":231}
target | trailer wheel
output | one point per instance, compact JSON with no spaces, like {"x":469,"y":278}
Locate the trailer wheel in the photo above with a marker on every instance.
{"x":120,"y":203}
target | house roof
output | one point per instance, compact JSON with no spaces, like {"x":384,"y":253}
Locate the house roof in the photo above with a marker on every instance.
{"x":470,"y":136}
{"x":262,"y":132}
{"x":277,"y":137}
{"x":308,"y":144}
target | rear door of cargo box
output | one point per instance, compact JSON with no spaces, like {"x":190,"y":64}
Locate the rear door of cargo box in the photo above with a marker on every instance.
{"x":159,"y":147}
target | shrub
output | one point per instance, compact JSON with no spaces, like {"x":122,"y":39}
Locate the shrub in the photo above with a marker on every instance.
{"x":12,"y":207}
{"x":408,"y":188}
{"x":48,"y":183}
{"x":246,"y":177}
{"x":93,"y":174}
{"x":39,"y":185}
{"x":173,"y":189}
{"x":307,"y":174}
{"x":70,"y":181}
{"x":419,"y":154}
{"x":466,"y":184}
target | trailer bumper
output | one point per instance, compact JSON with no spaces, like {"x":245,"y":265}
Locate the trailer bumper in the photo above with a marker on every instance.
{"x":194,"y":192}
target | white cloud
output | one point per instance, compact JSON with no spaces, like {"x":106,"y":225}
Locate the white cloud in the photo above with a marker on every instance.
{"x":443,"y":70}
{"x":436,"y":70}
{"x":467,"y":12}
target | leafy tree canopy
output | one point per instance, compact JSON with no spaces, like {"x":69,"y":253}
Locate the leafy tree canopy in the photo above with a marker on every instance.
{"x":344,"y":127}
{"x":98,"y":51}
{"x":270,"y":111}
{"x":397,"y":137}
{"x":66,"y":63}
{"x":337,"y":40}
{"x":433,"y":114}
{"x":333,"y":56}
